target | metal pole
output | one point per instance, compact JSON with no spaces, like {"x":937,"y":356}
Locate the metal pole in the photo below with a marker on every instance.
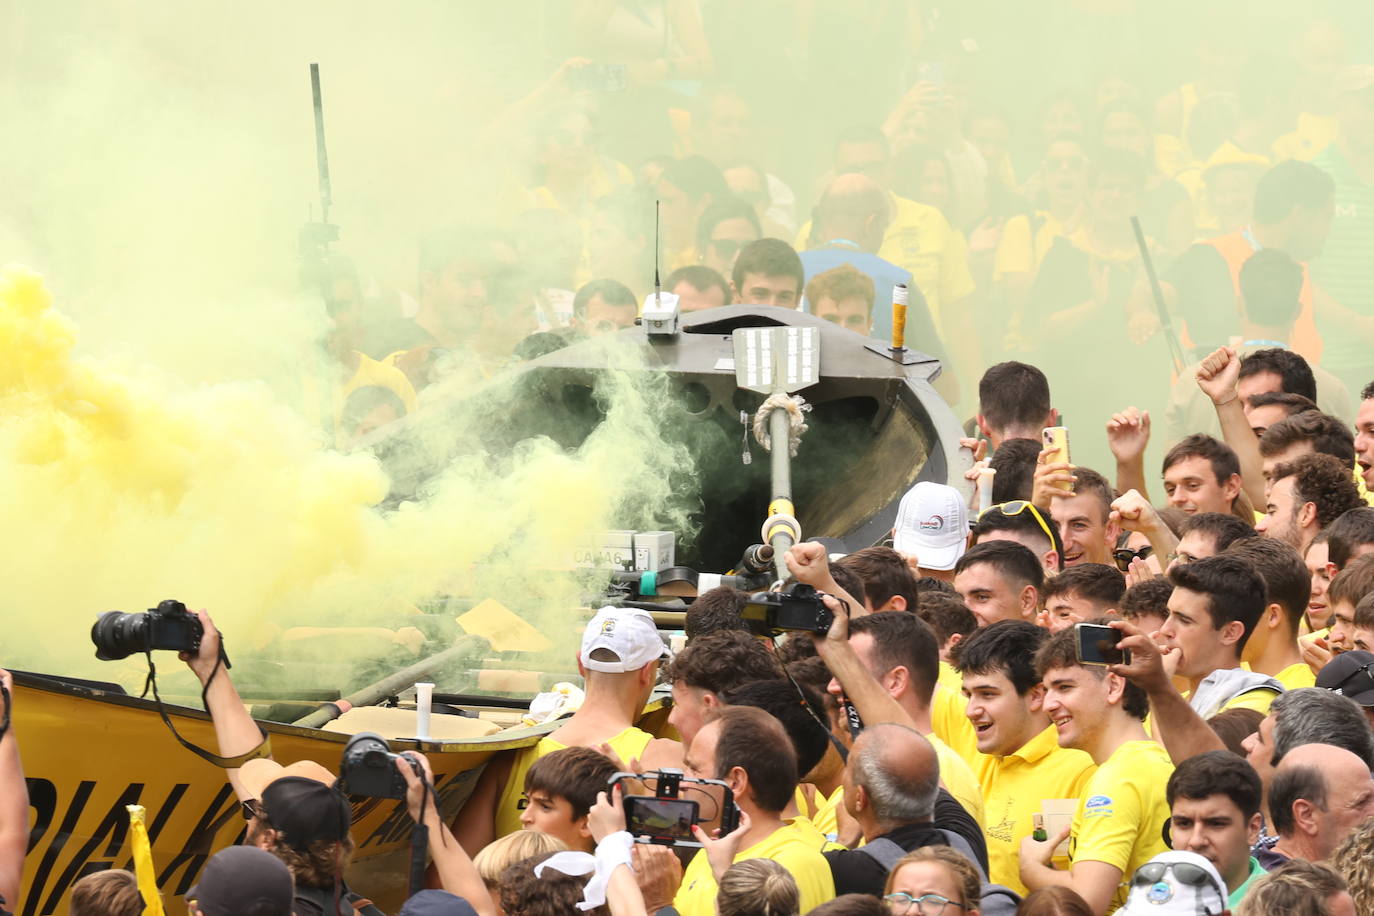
{"x":780,"y":430}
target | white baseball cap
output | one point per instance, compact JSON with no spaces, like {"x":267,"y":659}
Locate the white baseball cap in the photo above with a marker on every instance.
{"x":932,"y":523}
{"x":628,"y":633}
{"x":1176,"y":883}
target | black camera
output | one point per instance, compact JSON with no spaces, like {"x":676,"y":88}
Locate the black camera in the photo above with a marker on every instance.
{"x":798,"y":608}
{"x":369,"y":768}
{"x":666,"y":817}
{"x":168,"y":626}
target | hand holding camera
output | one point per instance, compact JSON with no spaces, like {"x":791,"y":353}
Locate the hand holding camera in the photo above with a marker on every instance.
{"x":418,"y":777}
{"x":721,"y":848}
{"x":369,"y":768}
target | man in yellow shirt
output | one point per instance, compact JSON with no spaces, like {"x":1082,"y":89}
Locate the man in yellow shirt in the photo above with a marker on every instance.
{"x":748,"y":749}
{"x":1272,"y":648}
{"x":1215,"y":606}
{"x":1120,"y":819}
{"x":1021,"y":762}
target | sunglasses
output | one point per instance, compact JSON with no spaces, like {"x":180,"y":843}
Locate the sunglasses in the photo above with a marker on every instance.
{"x":1186,"y":873}
{"x":1016,"y":507}
{"x":1124,"y":555}
{"x":251,"y":809}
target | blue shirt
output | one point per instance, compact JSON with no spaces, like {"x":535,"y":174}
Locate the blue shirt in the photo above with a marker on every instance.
{"x":920,"y":329}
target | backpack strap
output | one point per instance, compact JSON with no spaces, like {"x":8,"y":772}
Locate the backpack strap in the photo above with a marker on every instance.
{"x":883,"y":851}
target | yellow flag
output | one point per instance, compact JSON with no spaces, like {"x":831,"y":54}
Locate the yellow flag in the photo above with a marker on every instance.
{"x":143,"y":862}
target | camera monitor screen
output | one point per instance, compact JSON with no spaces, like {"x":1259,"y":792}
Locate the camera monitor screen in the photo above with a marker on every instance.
{"x":661,"y":818}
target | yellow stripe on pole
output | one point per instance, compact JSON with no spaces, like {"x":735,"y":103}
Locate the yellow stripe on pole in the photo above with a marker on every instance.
{"x":144,"y":869}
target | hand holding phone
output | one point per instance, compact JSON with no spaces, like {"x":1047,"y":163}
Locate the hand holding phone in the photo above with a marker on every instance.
{"x":1056,"y":442}
{"x":1097,"y":645}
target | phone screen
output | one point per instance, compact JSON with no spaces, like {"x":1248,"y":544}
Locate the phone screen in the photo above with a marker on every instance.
{"x":661,"y":818}
{"x":1097,"y":645}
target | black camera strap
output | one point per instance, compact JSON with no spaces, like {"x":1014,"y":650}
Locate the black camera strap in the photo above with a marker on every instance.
{"x":5,"y":723}
{"x":816,"y":717}
{"x":264,"y":748}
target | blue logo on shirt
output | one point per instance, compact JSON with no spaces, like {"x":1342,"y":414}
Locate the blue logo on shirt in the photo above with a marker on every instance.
{"x":1097,"y":801}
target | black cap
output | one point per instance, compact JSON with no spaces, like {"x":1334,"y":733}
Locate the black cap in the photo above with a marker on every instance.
{"x":305,"y":811}
{"x":243,"y":879}
{"x":436,"y":903}
{"x":1351,"y":674}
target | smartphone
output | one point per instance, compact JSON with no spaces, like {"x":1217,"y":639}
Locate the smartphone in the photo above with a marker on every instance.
{"x":1057,"y":439}
{"x":660,"y":818}
{"x":1097,"y":645}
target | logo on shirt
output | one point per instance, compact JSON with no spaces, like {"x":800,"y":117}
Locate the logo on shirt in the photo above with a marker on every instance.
{"x":1097,"y":806}
{"x":934,"y":523}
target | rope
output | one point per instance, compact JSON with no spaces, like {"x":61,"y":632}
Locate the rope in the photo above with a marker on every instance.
{"x":796,"y":407}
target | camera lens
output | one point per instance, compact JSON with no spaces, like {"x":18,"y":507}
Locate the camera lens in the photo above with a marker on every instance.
{"x":118,"y":635}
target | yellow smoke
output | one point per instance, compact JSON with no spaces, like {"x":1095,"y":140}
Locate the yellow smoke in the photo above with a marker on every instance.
{"x":122,"y":491}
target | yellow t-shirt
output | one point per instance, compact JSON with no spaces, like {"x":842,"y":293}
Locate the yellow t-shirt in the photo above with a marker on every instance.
{"x":950,"y":677}
{"x":1314,"y":134}
{"x":787,"y":846}
{"x":949,"y":721}
{"x":921,"y":240}
{"x":959,"y":779}
{"x":1297,"y":675}
{"x":1122,"y":811}
{"x":629,"y":743}
{"x":1258,"y":699}
{"x":1014,"y":787}
{"x":1020,"y":253}
{"x":820,"y":812}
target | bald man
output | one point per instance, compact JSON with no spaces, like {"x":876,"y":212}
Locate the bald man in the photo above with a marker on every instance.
{"x":1318,"y":794}
{"x":892,"y":789}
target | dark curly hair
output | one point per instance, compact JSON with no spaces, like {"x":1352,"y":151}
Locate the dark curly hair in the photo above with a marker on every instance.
{"x":1324,"y":481}
{"x":1328,"y":435}
{"x":552,"y":893}
{"x":722,"y":662}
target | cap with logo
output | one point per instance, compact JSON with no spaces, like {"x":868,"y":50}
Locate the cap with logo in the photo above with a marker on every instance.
{"x":628,"y":635}
{"x":1351,"y":674}
{"x":1176,"y":884}
{"x":932,"y":523}
{"x":243,"y":879}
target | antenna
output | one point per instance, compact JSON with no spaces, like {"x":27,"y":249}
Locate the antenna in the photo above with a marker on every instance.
{"x":658,"y":289}
{"x":321,"y":154}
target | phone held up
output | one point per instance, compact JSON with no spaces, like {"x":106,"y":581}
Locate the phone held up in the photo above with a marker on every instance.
{"x":1097,"y":644}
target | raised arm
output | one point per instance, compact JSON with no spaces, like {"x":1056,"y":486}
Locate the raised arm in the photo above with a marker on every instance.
{"x":1218,"y":377}
{"x":1175,"y":724}
{"x":457,"y":874}
{"x":235,"y":730}
{"x":14,"y":802}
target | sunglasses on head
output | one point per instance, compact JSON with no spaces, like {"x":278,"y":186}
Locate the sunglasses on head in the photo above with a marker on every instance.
{"x":1016,"y":507}
{"x":1186,"y":872}
{"x":1124,"y":555}
{"x":251,"y":808}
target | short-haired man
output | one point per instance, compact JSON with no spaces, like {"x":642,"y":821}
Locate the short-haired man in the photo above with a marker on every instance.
{"x":1305,"y":433}
{"x":604,"y":306}
{"x":1208,"y":534}
{"x":1272,"y":648}
{"x":710,"y":667}
{"x":1022,"y":523}
{"x":619,"y":659}
{"x":1081,"y":593}
{"x":1364,"y":435}
{"x":768,"y":272}
{"x":842,"y":295}
{"x":1120,"y":818}
{"x":1350,"y":536}
{"x":1214,"y":608}
{"x":1317,"y":796}
{"x":1308,"y":715}
{"x":1000,"y":580}
{"x":698,"y":288}
{"x":1014,"y":403}
{"x":1348,"y":589}
{"x":1020,"y":762}
{"x":1306,"y":495}
{"x":1014,"y":462}
{"x":1269,"y":407}
{"x":1214,"y":811}
{"x":1146,"y":604}
{"x":888,"y":583}
{"x":1202,"y":474}
{"x":891,"y":786}
{"x":1084,"y":515}
{"x":748,"y":749}
{"x":932,"y":528}
{"x":1278,"y":370}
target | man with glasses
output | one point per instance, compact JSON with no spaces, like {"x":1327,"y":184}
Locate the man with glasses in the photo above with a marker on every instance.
{"x":1021,"y":522}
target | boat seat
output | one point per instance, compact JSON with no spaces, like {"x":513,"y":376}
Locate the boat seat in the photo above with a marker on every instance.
{"x":390,"y":722}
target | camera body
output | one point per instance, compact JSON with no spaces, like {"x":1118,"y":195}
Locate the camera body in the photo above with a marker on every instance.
{"x":168,"y":626}
{"x":666,"y":818}
{"x":800,"y":608}
{"x":368,"y":768}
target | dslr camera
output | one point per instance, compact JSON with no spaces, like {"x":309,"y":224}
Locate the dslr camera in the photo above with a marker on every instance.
{"x":799,"y":608}
{"x":666,"y":817}
{"x":168,"y":626}
{"x":368,"y":768}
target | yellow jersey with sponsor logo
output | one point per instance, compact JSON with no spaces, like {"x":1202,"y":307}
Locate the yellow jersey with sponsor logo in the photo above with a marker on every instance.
{"x":1014,"y":789}
{"x":1121,"y":814}
{"x":790,"y":847}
